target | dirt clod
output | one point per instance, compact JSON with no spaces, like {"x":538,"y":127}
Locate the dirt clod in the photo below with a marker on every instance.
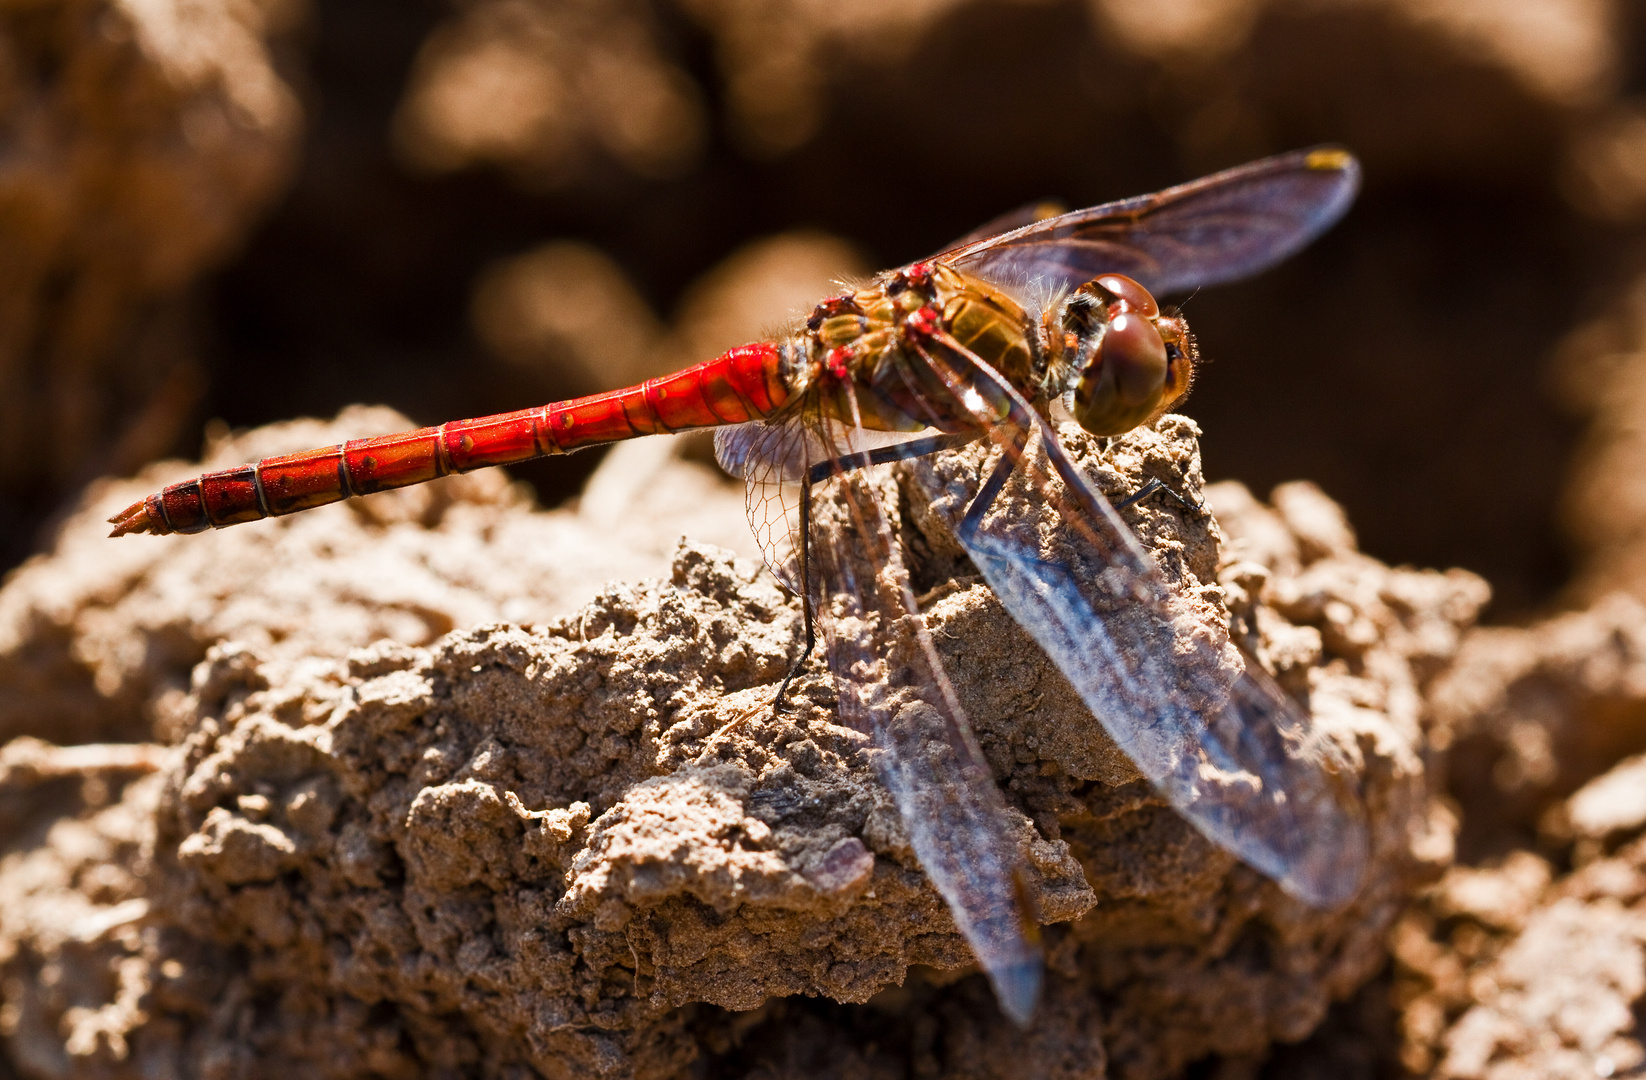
{"x":543,"y":848}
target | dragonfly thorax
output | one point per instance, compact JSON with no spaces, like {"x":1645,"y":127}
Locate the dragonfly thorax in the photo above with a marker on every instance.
{"x":861,"y":347}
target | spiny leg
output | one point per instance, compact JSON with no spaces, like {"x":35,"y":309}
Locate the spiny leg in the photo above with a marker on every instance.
{"x":839,"y":466}
{"x":806,"y":612}
{"x":816,"y":474}
{"x":1155,"y":484}
{"x":805,"y":593}
{"x":986,"y":495}
{"x":1020,"y":414}
{"x":1019,"y":419}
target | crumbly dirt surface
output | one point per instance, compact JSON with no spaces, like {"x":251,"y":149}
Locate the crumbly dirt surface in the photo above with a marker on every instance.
{"x":1531,"y":959}
{"x":424,"y":785}
{"x":1515,"y":968}
{"x":519,"y":850}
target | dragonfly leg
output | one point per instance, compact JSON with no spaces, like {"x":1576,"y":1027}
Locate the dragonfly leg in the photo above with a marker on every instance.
{"x":885,"y":455}
{"x":805,"y":589}
{"x":838,"y":467}
{"x":1155,"y":484}
{"x":990,"y":490}
{"x":816,"y":475}
{"x":806,"y":610}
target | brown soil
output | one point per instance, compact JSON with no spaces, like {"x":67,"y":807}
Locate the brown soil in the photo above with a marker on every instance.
{"x":516,"y":846}
{"x":426,"y":784}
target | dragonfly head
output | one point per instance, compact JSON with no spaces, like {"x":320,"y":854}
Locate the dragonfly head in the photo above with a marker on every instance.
{"x":1132,"y":362}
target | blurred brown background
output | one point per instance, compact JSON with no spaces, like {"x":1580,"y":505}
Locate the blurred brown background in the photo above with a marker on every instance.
{"x":278,"y":208}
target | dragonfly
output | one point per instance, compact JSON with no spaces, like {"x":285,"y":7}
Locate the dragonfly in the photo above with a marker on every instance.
{"x":1029,"y":323}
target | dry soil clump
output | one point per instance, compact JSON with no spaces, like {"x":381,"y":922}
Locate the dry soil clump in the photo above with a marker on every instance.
{"x":521,"y":847}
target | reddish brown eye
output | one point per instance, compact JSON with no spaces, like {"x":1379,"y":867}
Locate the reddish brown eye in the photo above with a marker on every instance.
{"x":1122,"y":385}
{"x":1133,"y":350}
{"x":1130,"y":295}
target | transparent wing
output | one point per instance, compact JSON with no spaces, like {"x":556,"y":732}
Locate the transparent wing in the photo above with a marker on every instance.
{"x":771,"y":457}
{"x":1220,"y":228}
{"x":1236,"y":756}
{"x":892,"y":686}
{"x":1044,"y":210}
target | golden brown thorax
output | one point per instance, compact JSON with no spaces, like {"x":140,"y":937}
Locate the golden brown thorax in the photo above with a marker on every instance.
{"x":862,"y":374}
{"x":990,"y":324}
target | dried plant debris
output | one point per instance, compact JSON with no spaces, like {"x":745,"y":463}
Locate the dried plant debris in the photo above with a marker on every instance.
{"x":537,"y":848}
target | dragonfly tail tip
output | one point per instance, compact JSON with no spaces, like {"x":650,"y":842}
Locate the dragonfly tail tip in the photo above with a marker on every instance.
{"x":133,"y":519}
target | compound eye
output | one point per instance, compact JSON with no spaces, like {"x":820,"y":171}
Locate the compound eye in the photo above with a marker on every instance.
{"x":1127,"y":295}
{"x":1123,"y":384}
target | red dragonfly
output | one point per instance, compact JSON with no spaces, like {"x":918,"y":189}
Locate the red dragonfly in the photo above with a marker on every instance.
{"x":1026,"y":322}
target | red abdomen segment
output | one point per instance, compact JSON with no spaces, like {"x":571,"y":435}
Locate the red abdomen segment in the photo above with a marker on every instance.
{"x":744,"y":384}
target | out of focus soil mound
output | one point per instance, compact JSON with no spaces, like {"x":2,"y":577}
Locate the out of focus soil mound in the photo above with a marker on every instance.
{"x":1600,"y":374}
{"x":141,"y":142}
{"x":1529,"y":715}
{"x":513,"y":847}
{"x":1520,"y":968}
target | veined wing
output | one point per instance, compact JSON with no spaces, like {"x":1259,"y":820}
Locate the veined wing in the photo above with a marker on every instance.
{"x":1219,"y":228}
{"x":772,"y":457}
{"x":1236,"y":756}
{"x":892,"y":686}
{"x":1043,"y":210}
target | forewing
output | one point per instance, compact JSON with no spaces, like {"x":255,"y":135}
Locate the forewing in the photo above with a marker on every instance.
{"x":1223,"y":227}
{"x":1236,"y":756}
{"x":1044,"y":210}
{"x":891,"y":684}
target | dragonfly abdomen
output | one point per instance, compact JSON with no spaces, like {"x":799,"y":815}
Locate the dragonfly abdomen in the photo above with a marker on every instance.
{"x":746,"y":383}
